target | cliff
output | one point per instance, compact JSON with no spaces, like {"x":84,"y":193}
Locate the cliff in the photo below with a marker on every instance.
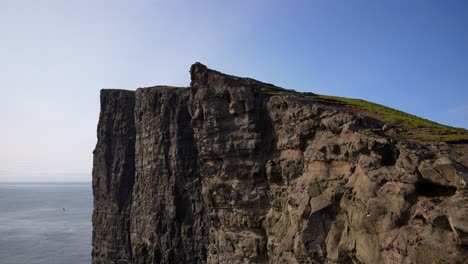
{"x":232,"y":170}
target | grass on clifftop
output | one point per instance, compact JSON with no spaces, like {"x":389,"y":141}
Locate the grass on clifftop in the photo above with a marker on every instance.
{"x":418,"y":128}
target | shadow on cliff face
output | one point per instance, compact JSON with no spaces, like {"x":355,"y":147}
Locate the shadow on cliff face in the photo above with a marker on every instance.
{"x":389,"y":153}
{"x":429,"y":189}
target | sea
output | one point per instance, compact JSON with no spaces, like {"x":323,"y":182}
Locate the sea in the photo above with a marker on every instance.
{"x":46,"y":223}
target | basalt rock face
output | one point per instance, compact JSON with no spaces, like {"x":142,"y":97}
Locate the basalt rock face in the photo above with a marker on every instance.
{"x":167,"y":216}
{"x":113,"y":177}
{"x":231,"y":170}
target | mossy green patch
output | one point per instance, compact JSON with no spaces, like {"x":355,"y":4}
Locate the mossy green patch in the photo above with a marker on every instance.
{"x":273,"y":93}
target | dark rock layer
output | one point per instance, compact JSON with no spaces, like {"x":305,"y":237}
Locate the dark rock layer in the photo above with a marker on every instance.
{"x":232,"y":171}
{"x":113,"y":177}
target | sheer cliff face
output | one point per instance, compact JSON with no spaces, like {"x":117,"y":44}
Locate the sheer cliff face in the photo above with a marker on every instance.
{"x":227,"y":171}
{"x":113,"y":176}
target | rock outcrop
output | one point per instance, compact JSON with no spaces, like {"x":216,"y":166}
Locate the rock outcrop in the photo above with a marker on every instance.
{"x":232,"y":170}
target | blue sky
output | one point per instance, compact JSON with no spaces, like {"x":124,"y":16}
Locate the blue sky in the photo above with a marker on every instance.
{"x":57,"y":55}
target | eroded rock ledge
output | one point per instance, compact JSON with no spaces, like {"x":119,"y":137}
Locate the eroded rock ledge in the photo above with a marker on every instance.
{"x":227,"y":171}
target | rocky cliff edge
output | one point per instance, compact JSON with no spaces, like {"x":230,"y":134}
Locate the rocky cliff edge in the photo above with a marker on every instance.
{"x":232,"y":170}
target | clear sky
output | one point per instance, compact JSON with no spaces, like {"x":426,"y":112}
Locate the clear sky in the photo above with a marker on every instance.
{"x":55,"y":56}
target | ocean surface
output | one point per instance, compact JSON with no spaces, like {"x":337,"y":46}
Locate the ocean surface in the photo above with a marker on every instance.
{"x":45,"y":223}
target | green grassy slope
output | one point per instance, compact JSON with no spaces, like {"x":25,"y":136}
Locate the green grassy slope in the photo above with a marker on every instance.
{"x":417,"y":127}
